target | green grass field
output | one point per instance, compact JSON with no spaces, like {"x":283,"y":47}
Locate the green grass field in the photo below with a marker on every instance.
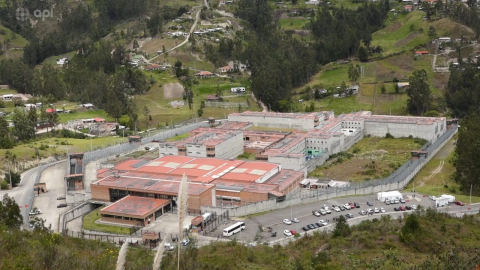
{"x":89,"y":224}
{"x":163,"y":113}
{"x":385,"y":155}
{"x":293,"y":23}
{"x":58,"y":146}
{"x":435,"y":177}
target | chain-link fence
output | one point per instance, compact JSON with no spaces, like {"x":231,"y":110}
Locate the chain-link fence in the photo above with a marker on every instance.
{"x":395,"y":181}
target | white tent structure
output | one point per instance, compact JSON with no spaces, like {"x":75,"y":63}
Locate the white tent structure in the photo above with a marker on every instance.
{"x":442,"y":201}
{"x":390,"y":195}
{"x":451,"y":198}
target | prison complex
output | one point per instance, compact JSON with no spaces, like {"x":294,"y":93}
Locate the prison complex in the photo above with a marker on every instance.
{"x":215,"y":177}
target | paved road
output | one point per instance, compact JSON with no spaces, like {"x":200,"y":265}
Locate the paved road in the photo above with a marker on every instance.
{"x":23,"y":193}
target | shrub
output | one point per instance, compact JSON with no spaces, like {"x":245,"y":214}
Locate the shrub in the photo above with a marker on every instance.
{"x":389,"y":136}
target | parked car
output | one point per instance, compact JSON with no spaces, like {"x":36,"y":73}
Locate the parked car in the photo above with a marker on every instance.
{"x":315,"y":226}
{"x":323,"y":222}
{"x":349,"y":215}
{"x":169,"y":247}
{"x":352,"y":206}
{"x":310,"y":226}
{"x":357,"y":205}
{"x":316,"y":213}
{"x":414,"y":207}
{"x":396,"y":208}
{"x":319,"y":224}
{"x":459,"y":203}
{"x":382,"y":210}
{"x":342,"y":207}
{"x":337,"y":209}
{"x":387,"y":201}
{"x":287,"y":233}
{"x":287,"y":221}
{"x":370,"y":203}
{"x":396,"y":201}
{"x":305,"y":228}
{"x":369,"y":211}
{"x":323,"y":212}
{"x":62,"y":205}
{"x":60,"y":198}
{"x":362,"y":213}
{"x":185,"y":242}
{"x":324,"y":207}
{"x":328,"y":211}
{"x":293,"y":232}
{"x":295,"y":220}
{"x":408,"y":207}
{"x":402,"y":200}
{"x":433,"y":198}
{"x":35,"y":211}
{"x":347,"y":206}
{"x":376,"y":210}
{"x":402,"y":208}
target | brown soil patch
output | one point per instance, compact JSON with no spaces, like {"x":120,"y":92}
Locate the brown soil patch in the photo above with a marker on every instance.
{"x":173,"y":90}
{"x":394,"y":27}
{"x":406,"y":40}
{"x":302,"y":33}
{"x":279,"y":14}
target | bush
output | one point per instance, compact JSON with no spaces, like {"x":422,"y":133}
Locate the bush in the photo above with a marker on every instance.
{"x":389,"y":136}
{"x":4,"y":185}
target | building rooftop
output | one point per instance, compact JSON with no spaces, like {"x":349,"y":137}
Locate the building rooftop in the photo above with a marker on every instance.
{"x":206,"y":136}
{"x":250,"y":171}
{"x":233,"y":125}
{"x":134,"y":206}
{"x":285,"y":179}
{"x":241,"y":186}
{"x":404,"y":119}
{"x":314,"y":115}
{"x":284,"y":146}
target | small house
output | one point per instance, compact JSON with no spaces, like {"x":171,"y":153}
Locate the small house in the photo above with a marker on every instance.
{"x":421,"y":52}
{"x":8,"y":97}
{"x":408,"y":8}
{"x":402,"y":85}
{"x":226,"y":69}
{"x":98,"y":120}
{"x":87,"y":106}
{"x":212,"y":98}
{"x":204,"y":74}
{"x":153,"y":67}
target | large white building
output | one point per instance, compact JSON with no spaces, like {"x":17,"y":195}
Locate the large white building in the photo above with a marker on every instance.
{"x":302,"y":121}
{"x":212,"y":143}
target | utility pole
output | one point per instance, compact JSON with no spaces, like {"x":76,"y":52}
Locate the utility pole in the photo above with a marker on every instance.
{"x":11,"y":186}
{"x":471,"y":187}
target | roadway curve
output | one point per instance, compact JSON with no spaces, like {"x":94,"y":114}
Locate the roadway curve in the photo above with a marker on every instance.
{"x":24,"y":192}
{"x":197,"y":17}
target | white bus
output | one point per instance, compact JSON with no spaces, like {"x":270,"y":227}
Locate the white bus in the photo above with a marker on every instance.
{"x":235,"y":228}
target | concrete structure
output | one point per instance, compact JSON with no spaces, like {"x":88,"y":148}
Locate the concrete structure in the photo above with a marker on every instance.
{"x":211,"y":180}
{"x":74,"y":177}
{"x":280,"y":120}
{"x":133,"y":210}
{"x":207,"y":143}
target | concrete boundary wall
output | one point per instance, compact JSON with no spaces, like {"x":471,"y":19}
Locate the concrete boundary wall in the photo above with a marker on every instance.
{"x":399,"y":180}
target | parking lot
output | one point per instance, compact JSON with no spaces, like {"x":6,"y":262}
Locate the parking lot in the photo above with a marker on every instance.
{"x":304,"y":214}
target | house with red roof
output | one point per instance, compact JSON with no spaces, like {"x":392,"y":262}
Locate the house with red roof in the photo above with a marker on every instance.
{"x":226,"y":69}
{"x":204,"y":74}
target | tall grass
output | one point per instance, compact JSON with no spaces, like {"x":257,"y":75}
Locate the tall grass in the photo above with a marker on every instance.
{"x":122,"y":255}
{"x":157,"y":261}
{"x":182,"y":211}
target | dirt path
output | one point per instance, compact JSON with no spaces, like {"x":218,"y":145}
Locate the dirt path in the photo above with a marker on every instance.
{"x":264,"y":108}
{"x":442,"y":154}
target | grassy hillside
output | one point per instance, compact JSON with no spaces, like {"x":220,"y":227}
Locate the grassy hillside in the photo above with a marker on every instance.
{"x":370,"y":158}
{"x":39,"y":250}
{"x":12,"y":43}
{"x":404,"y":32}
{"x":429,"y":241}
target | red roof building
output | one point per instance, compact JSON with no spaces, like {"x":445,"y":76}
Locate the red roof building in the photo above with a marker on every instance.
{"x":204,"y":74}
{"x":421,"y":52}
{"x":133,"y":210}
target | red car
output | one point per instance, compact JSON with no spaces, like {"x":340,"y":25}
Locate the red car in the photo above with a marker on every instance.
{"x":402,"y":208}
{"x":459,"y":203}
{"x":352,"y":206}
{"x":293,"y":232}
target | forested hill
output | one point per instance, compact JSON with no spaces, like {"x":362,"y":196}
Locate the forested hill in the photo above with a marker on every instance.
{"x":280,"y":62}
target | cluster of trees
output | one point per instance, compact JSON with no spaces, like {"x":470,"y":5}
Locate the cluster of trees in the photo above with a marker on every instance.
{"x":339,"y":31}
{"x":92,"y":76}
{"x":419,"y":94}
{"x":463,"y":89}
